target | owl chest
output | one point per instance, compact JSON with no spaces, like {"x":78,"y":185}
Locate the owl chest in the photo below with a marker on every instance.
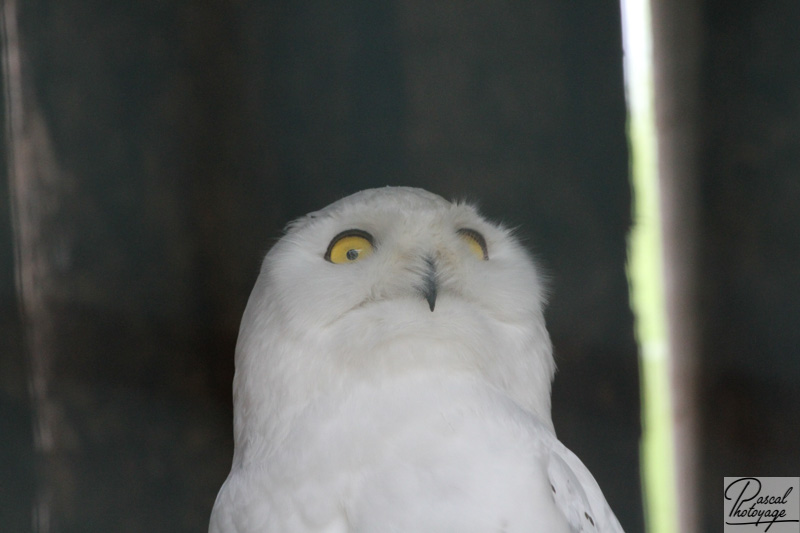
{"x":401,"y":446}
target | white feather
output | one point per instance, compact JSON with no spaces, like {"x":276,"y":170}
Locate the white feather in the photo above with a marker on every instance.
{"x":359,"y":409}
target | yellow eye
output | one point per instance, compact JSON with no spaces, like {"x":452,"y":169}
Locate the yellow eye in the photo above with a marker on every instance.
{"x":349,"y":246}
{"x":476,"y":242}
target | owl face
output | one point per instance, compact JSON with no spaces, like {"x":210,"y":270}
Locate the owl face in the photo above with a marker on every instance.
{"x":400,"y":254}
{"x":390,"y":281}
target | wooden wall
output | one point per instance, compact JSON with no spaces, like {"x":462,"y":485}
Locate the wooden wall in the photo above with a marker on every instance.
{"x":156,"y":148}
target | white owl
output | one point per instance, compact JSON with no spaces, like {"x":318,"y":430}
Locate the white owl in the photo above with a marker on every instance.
{"x":393,"y":374}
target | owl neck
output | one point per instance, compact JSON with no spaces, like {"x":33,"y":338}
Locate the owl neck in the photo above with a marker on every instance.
{"x":278,"y":383}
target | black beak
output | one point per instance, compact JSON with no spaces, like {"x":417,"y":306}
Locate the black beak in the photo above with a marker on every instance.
{"x":429,"y":284}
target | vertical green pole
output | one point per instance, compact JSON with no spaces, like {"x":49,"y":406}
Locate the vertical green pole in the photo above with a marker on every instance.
{"x":645,"y":274}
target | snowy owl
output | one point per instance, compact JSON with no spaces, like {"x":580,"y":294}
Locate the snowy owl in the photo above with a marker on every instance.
{"x":393,"y":374}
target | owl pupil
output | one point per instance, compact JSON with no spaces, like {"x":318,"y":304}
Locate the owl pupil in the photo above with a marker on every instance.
{"x":352,"y":255}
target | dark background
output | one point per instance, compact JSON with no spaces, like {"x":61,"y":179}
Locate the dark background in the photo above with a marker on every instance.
{"x":155,"y":149}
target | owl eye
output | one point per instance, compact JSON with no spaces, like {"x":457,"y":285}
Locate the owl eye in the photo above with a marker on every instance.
{"x":476,"y":242}
{"x":349,"y":246}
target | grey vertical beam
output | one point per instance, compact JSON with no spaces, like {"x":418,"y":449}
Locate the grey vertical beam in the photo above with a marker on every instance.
{"x":119,"y":134}
{"x":16,"y":421}
{"x":676,"y":48}
{"x":35,"y":187}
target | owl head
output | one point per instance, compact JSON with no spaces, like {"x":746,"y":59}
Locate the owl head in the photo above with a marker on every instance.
{"x":388,"y":282}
